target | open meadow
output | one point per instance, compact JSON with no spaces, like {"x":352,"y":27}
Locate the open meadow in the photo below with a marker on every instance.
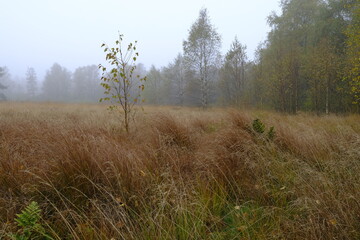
{"x":181,"y":173}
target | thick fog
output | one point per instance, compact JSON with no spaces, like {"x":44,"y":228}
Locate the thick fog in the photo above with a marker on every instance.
{"x":37,"y":34}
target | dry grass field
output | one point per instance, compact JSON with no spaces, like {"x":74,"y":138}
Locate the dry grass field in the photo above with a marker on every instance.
{"x":181,"y":173}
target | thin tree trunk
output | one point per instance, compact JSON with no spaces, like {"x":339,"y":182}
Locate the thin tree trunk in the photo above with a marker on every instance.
{"x":327,"y":99}
{"x":126,"y":107}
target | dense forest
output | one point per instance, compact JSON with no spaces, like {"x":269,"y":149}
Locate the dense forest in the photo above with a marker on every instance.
{"x":311,"y":58}
{"x":309,"y":62}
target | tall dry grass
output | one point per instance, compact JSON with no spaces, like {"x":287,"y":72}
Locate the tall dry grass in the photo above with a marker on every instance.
{"x":181,"y":173}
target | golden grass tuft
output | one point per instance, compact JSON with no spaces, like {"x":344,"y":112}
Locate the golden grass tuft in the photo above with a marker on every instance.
{"x":181,"y":173}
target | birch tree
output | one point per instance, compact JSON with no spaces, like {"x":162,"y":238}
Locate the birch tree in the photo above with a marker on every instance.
{"x":119,"y":82}
{"x":201,"y":52}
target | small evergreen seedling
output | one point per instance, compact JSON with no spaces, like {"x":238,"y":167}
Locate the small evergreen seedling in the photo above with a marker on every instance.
{"x":258,"y":126}
{"x":271,"y":133}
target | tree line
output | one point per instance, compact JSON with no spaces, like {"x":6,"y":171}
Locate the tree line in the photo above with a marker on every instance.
{"x":58,"y":85}
{"x":311,"y":57}
{"x":310,"y":61}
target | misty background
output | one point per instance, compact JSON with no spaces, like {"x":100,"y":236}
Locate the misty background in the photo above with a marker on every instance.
{"x":289,"y":55}
{"x":37,"y":34}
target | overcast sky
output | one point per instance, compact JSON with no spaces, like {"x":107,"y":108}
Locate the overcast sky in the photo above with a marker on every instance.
{"x":37,"y":33}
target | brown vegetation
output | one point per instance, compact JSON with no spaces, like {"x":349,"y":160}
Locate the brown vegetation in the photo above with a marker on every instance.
{"x":181,"y":173}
